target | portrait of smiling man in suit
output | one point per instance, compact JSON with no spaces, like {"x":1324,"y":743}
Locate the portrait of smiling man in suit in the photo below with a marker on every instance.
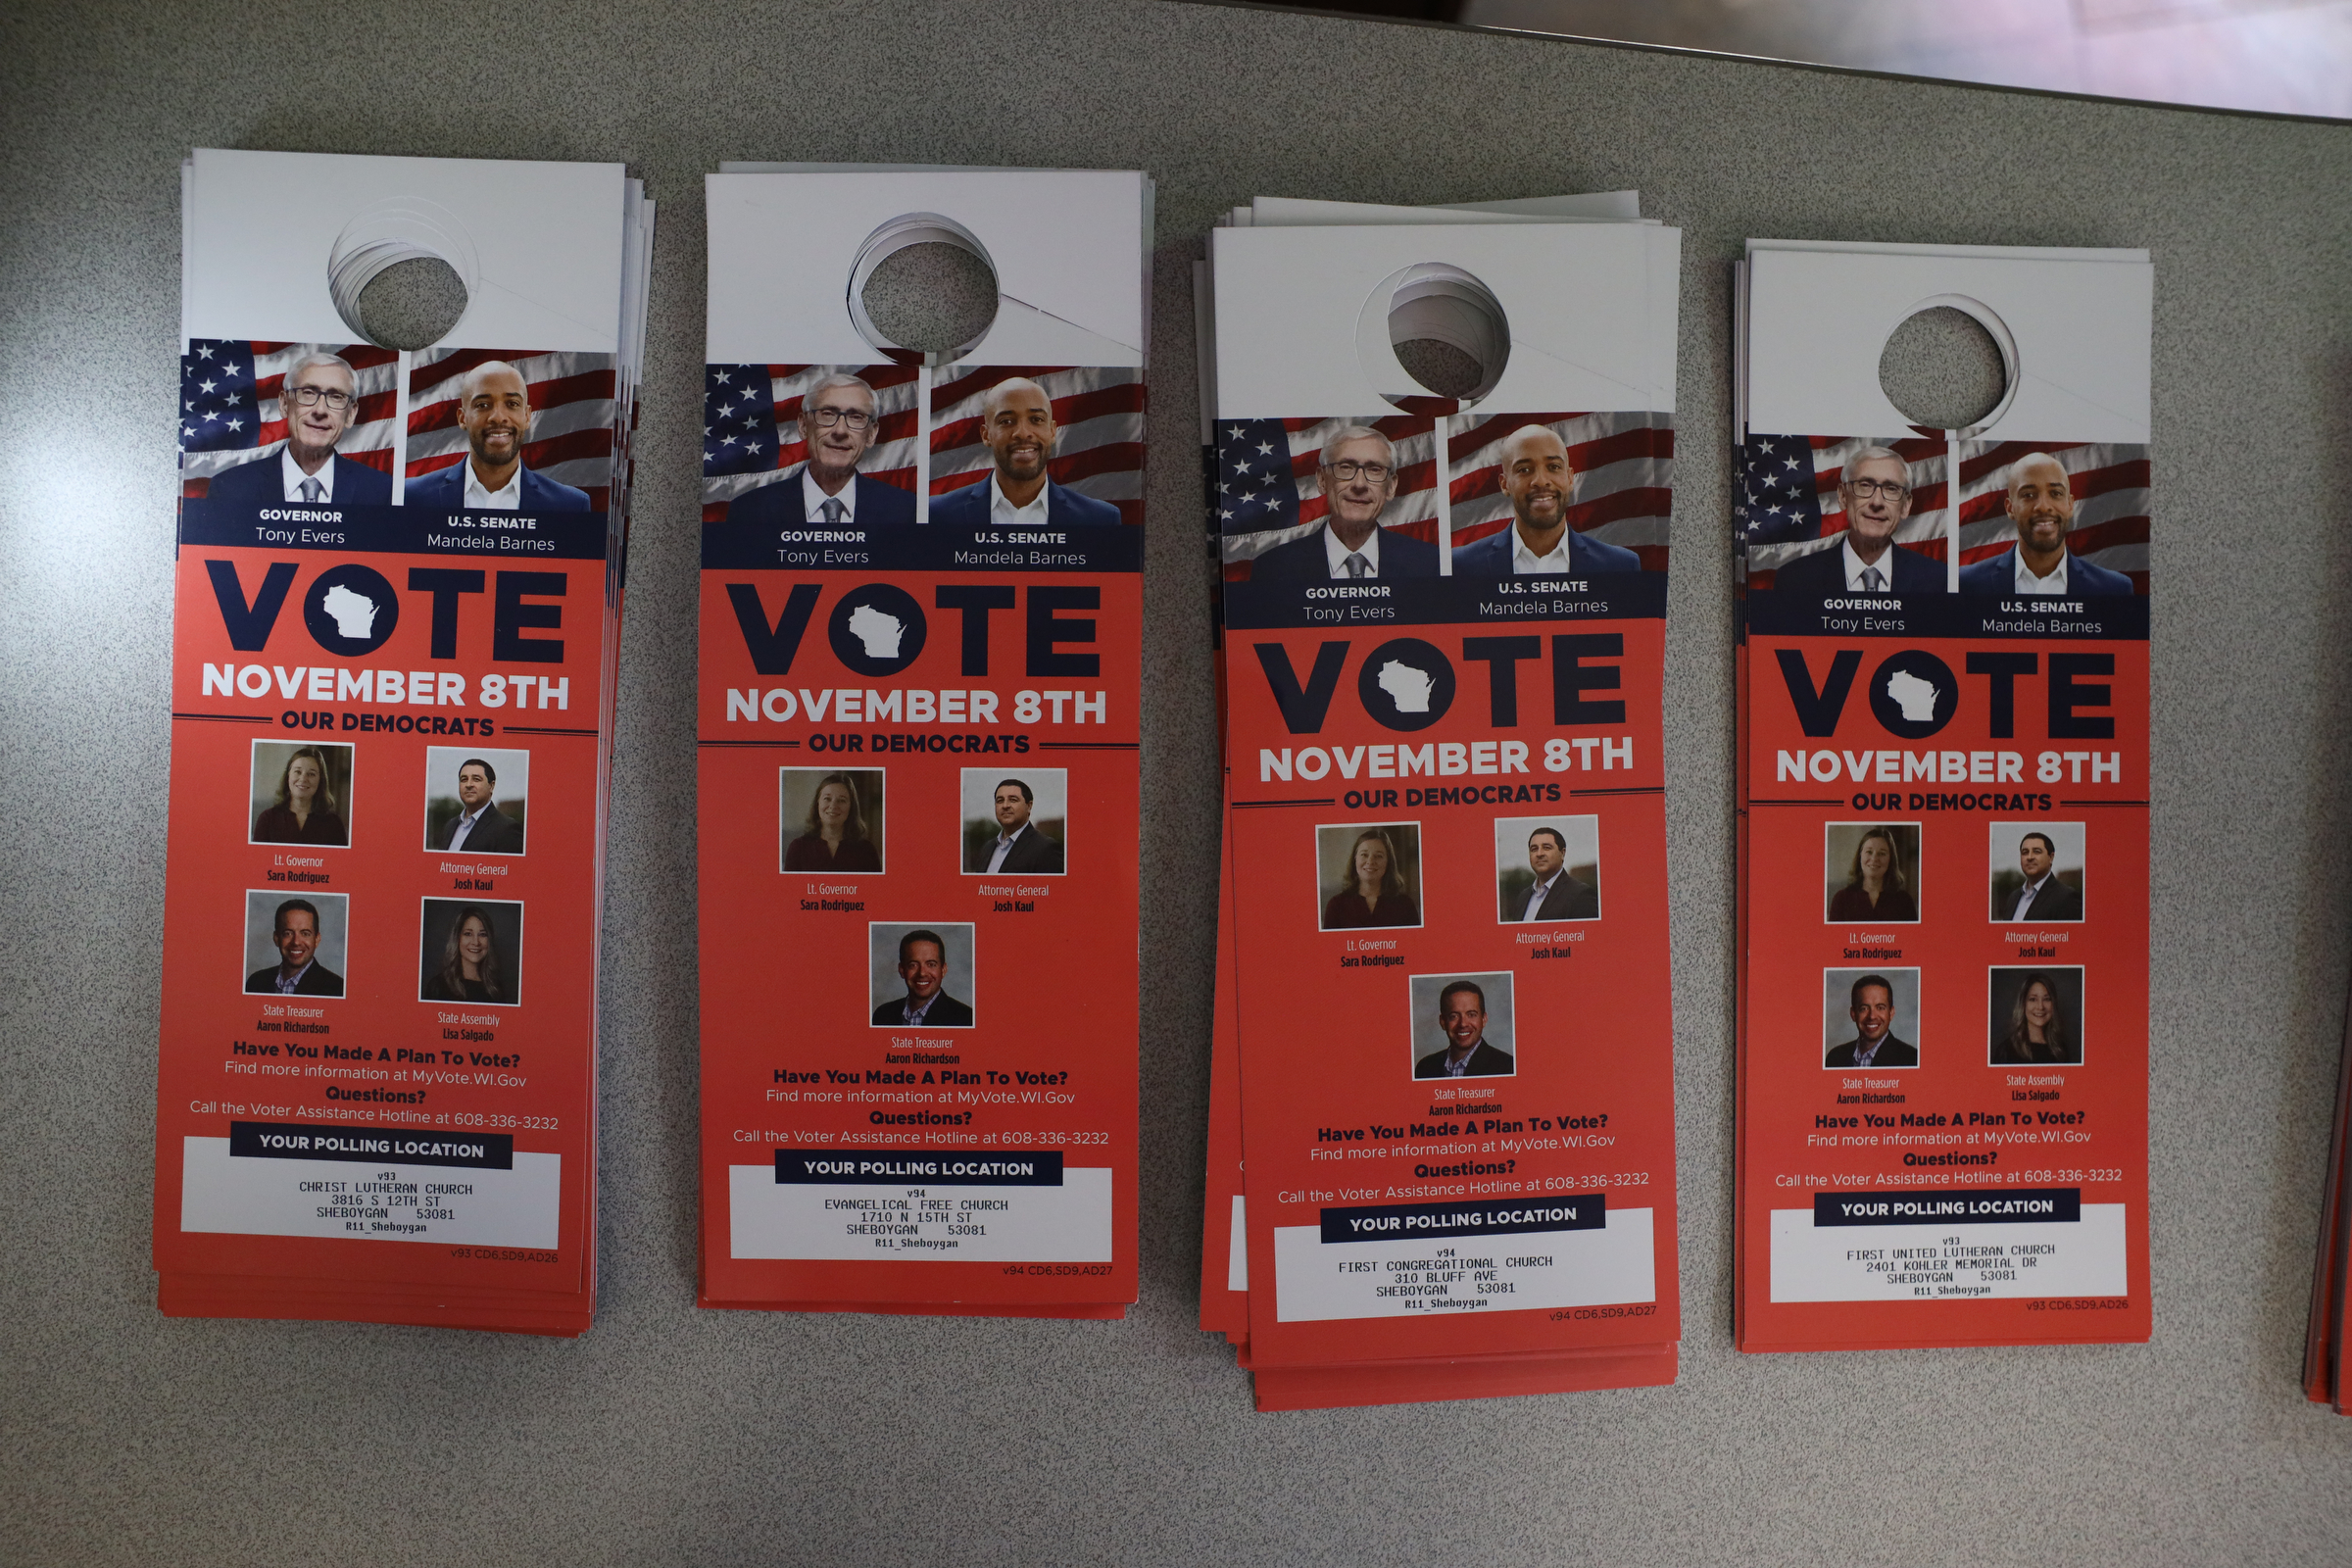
{"x":1875,"y":491}
{"x":839,"y":420}
{"x":1017,"y":425}
{"x":1467,"y":1051}
{"x":494,"y":409}
{"x":1538,"y":478}
{"x":1011,"y":838}
{"x":320,"y":399}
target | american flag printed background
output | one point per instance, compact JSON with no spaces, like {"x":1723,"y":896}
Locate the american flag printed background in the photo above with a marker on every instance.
{"x":228,"y":410}
{"x":1789,"y":503}
{"x":1267,"y":489}
{"x":573,"y":410}
{"x":752,"y":433}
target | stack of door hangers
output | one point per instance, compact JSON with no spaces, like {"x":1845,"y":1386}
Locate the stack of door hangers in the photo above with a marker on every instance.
{"x":396,"y":611}
{"x":921,"y":666}
{"x":1942,"y":688}
{"x":1442,"y":1139}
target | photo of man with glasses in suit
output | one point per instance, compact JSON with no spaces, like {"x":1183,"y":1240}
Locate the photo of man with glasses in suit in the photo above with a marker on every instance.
{"x":319,"y":400}
{"x":838,"y":423}
{"x":1357,"y":467}
{"x":1875,"y":492}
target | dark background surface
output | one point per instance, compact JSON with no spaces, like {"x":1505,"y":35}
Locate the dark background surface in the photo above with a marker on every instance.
{"x":671,"y":1435}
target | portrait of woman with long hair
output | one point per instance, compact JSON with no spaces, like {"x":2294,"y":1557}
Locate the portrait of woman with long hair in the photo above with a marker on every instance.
{"x":835,"y":837}
{"x":2038,"y":1031}
{"x":1877,"y":888}
{"x":1377,"y":891}
{"x":306,"y":810}
{"x":471,"y":967}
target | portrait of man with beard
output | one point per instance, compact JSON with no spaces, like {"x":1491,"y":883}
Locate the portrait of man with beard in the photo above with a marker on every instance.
{"x":1017,"y":424}
{"x":320,"y":398}
{"x":2041,"y":507}
{"x":494,"y":409}
{"x":1540,"y":480}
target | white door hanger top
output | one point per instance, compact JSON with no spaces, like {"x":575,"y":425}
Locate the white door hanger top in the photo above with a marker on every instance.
{"x":790,"y":253}
{"x":2074,"y":336}
{"x":1300,"y":212}
{"x":537,"y":245}
{"x":1304,"y":314}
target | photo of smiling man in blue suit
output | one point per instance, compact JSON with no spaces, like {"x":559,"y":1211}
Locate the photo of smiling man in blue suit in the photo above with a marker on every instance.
{"x":1017,"y":425}
{"x":1538,"y":479}
{"x":494,"y":409}
{"x":2042,"y":505}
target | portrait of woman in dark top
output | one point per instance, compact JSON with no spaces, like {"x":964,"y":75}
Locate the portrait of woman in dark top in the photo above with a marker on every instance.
{"x":2037,"y":1029}
{"x":836,"y":838}
{"x":306,"y":810}
{"x":470,"y":970}
{"x":1876,"y":888}
{"x":1377,"y":893}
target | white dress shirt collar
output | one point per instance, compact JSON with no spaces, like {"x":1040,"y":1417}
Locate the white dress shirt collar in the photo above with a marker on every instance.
{"x":1004,"y":841}
{"x":1539,"y":893}
{"x":1335,"y":554}
{"x":1553,"y":563}
{"x":295,"y":477}
{"x":1855,"y":566}
{"x":2026,"y":893}
{"x":506,"y":497}
{"x":466,"y":821}
{"x":813,"y":499}
{"x":2027,"y":583}
{"x":1003,"y":513}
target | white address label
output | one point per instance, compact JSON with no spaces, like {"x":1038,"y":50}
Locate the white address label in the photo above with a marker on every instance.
{"x":1317,"y":1281}
{"x":1943,"y":1261}
{"x":386,"y":1201}
{"x":837,"y":1221}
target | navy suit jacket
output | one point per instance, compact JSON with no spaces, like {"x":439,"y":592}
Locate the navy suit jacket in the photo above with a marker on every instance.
{"x":945,"y":1013}
{"x":1571,"y":898}
{"x":263,"y":483}
{"x":2055,"y":902}
{"x":317,"y":981}
{"x":1485,"y":1063}
{"x":1491,"y":557}
{"x":1891,"y":1053}
{"x":1999,"y":577}
{"x":1302,"y":560}
{"x":780,"y":504}
{"x":494,"y":833}
{"x":1030,"y":852}
{"x":1823,"y":572}
{"x":445,"y":488}
{"x":967,"y":507}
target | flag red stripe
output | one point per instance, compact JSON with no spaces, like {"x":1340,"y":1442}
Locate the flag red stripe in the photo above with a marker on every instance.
{"x":876,"y":376}
{"x":554,"y":392}
{"x":980,"y":378}
{"x":426,"y":376}
{"x":965,"y":432}
{"x":578,"y":444}
{"x":1118,"y":457}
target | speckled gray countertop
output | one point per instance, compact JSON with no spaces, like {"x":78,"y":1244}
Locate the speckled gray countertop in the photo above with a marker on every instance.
{"x":671,"y":1435}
